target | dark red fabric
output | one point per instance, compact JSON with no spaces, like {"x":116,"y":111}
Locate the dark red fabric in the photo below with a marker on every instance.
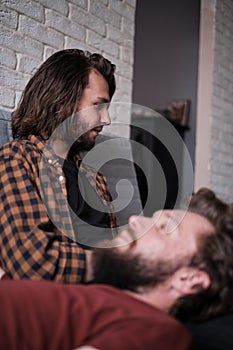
{"x":42,"y":315}
{"x":5,"y":277}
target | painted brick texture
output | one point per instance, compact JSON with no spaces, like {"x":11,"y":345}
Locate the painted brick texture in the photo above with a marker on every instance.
{"x":221,"y":152}
{"x":32,"y":30}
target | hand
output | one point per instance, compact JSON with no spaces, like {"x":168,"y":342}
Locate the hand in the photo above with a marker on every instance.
{"x":2,"y":272}
{"x":89,"y":271}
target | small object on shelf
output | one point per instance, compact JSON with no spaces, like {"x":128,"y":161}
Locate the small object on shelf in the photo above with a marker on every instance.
{"x":178,"y":110}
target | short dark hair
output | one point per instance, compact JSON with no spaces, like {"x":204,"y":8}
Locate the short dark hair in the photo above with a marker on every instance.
{"x":53,"y":93}
{"x":205,"y":202}
{"x":214,"y":256}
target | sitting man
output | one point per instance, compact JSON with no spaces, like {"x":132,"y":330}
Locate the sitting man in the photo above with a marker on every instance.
{"x":42,"y":206}
{"x":152,"y":269}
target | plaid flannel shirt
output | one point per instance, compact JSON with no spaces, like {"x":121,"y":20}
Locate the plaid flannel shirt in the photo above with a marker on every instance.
{"x":29,"y":248}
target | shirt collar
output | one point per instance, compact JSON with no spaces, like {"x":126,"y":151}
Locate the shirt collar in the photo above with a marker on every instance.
{"x":37,"y":141}
{"x":46,"y":150}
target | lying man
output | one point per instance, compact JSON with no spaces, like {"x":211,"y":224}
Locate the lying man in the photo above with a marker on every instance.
{"x":214,"y":333}
{"x":156,"y":266}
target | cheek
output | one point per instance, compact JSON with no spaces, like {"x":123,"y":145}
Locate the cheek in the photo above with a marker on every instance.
{"x":152,"y":246}
{"x":165,"y":247}
{"x":92,"y":115}
{"x":89,"y":119}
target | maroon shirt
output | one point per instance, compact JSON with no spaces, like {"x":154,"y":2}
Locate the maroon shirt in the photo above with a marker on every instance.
{"x":51,"y":316}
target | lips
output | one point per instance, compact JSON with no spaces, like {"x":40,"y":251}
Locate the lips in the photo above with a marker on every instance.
{"x":98,"y":129}
{"x":124,"y":238}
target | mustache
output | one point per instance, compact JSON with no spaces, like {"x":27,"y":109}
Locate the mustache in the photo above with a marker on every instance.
{"x":132,"y":235}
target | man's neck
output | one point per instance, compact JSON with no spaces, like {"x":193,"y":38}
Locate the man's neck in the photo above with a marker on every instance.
{"x":157,"y":297}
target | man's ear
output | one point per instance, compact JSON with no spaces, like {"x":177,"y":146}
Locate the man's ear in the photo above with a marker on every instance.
{"x":190,"y":280}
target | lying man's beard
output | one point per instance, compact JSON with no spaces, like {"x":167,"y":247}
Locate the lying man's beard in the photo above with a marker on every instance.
{"x":129,"y":272}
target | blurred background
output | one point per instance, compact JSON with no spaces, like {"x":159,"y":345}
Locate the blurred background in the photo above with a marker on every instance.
{"x":169,"y":55}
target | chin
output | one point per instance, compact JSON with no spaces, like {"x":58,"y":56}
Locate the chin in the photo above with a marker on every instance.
{"x":81,"y":145}
{"x":89,"y":147}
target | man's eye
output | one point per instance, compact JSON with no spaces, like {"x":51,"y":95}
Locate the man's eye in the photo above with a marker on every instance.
{"x":165,"y":232}
{"x":102,"y":106}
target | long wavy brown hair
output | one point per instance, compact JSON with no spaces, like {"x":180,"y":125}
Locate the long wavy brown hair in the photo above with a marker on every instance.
{"x":53,"y":93}
{"x":215,"y":256}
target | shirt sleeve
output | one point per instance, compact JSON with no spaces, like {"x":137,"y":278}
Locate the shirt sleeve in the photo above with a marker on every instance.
{"x":27,"y":251}
{"x":134,"y":335}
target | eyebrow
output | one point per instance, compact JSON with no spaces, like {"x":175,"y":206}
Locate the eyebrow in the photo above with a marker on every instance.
{"x":103,"y":99}
{"x":173,"y":222}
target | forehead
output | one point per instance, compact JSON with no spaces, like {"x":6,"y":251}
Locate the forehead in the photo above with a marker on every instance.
{"x":183,"y":219}
{"x":197,"y":223}
{"x":96,"y":80}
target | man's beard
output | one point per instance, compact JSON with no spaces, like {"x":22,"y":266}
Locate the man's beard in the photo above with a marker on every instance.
{"x":82,"y":144}
{"x":130,"y":272}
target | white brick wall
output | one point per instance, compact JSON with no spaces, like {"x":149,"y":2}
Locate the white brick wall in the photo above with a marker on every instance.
{"x":221,"y":146}
{"x":32,"y":30}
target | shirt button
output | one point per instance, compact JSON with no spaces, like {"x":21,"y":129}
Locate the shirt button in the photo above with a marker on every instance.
{"x":61,"y":178}
{"x":50,"y":161}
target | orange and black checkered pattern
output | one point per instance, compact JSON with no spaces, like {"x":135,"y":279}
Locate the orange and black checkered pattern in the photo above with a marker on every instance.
{"x":29,"y":246}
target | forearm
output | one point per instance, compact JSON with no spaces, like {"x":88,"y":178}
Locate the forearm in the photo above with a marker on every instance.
{"x":43,"y":255}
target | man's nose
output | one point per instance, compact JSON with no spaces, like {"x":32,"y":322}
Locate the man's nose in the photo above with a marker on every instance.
{"x":160,"y":219}
{"x":105,"y":117}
